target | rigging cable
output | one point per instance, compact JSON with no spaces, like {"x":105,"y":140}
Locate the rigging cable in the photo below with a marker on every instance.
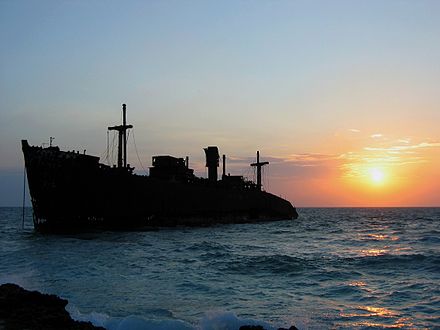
{"x":246,"y":172}
{"x":137,"y":154}
{"x":106,"y":157}
{"x":24,"y":195}
{"x":126,"y":143}
{"x":112,"y":158}
{"x":267,"y":178}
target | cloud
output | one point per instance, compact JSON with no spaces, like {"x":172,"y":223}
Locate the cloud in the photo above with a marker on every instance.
{"x":298,"y":166}
{"x":249,"y":160}
{"x":376,"y":136}
{"x":391,"y":155}
{"x":305,"y":159}
{"x":354,"y":130}
{"x":310,"y":158}
{"x":405,"y":147}
{"x":306,"y":166}
{"x":354,"y":163}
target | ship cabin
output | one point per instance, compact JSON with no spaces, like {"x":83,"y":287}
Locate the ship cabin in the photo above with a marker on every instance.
{"x":171,"y":169}
{"x":232,"y":180}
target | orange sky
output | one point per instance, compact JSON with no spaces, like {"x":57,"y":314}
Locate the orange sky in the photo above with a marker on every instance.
{"x":368,"y":170}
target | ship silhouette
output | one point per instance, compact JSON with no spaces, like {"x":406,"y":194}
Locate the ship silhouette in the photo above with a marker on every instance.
{"x":73,"y":191}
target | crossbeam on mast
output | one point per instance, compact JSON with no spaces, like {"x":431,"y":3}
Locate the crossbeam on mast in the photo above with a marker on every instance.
{"x":122,"y":138}
{"x":259,"y":165}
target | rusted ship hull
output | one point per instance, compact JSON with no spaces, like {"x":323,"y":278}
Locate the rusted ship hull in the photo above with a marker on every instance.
{"x":74,"y":191}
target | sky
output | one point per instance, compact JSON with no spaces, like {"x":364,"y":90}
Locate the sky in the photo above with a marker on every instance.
{"x":341,"y":97}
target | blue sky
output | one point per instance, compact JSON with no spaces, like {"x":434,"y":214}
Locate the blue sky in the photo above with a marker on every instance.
{"x":284,"y":77}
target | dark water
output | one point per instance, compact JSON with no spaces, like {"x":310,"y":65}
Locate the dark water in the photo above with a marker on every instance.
{"x":330,"y":268}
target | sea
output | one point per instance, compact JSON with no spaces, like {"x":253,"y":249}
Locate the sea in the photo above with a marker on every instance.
{"x":332,"y":268}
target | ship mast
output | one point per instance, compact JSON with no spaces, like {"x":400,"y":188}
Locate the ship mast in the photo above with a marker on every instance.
{"x":122,"y":138}
{"x":259,"y":165}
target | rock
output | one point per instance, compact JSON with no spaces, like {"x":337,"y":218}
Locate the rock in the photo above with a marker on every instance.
{"x":23,"y":309}
{"x":259,"y":327}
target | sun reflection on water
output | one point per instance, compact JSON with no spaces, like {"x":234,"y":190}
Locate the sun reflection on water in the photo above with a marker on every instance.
{"x":357,"y":283}
{"x":378,"y":311}
{"x":397,"y":325}
{"x":374,"y":252}
{"x":360,"y":284}
{"x":378,"y":237}
{"x":375,"y":314}
{"x":382,"y":237}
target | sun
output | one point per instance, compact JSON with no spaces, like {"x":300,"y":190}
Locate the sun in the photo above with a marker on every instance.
{"x":376,"y":175}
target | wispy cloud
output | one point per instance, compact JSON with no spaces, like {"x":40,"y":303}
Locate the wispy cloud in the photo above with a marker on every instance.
{"x":305,"y":159}
{"x":354,"y":130}
{"x":306,"y":165}
{"x":248,"y":160}
{"x":399,"y":153}
{"x":405,"y":147}
{"x":376,"y":136}
{"x":310,"y":158}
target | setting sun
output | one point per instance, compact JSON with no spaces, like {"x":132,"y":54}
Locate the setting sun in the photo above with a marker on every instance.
{"x":377,"y":175}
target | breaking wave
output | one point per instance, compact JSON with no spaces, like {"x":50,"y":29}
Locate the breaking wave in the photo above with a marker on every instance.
{"x":214,"y":320}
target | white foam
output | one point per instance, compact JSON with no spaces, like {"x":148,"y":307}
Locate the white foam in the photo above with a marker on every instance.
{"x":221,"y":320}
{"x":97,"y":319}
{"x":214,"y":320}
{"x":21,"y":279}
{"x":139,"y":323}
{"x":131,"y":322}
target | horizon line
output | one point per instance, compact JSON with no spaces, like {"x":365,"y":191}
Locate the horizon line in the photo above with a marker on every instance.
{"x":307,"y":207}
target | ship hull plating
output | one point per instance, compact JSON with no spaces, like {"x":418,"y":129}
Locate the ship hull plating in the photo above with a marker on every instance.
{"x":71,"y":191}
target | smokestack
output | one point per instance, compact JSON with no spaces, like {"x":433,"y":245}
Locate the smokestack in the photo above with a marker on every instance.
{"x":224,"y":166}
{"x":212,"y":162}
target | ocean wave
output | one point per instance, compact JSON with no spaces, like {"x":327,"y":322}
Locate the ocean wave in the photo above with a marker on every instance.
{"x":208,"y":246}
{"x":213,"y":320}
{"x":276,"y":264}
{"x":391,"y":261}
{"x":342,"y":290}
{"x":433,"y":238}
